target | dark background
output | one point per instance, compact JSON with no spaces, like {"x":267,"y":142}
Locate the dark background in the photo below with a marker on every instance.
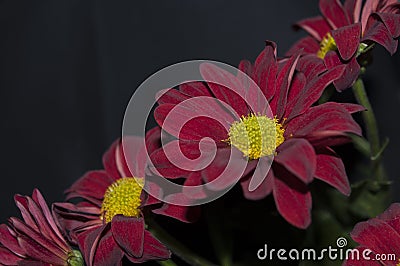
{"x":68,"y":69}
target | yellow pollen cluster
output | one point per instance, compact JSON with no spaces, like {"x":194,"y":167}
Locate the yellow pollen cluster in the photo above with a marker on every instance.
{"x":256,"y":135}
{"x":327,"y":44}
{"x":122,"y":197}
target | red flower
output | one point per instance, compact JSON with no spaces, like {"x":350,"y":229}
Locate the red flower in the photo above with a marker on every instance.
{"x":109,"y":224}
{"x":303,"y":132}
{"x":381,"y":235}
{"x":336,"y":35}
{"x":36,"y":240}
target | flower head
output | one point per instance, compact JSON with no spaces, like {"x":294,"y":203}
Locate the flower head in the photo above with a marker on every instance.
{"x":381,"y":235}
{"x":342,"y":32}
{"x":109,"y":223}
{"x":296,"y":134}
{"x":36,"y":239}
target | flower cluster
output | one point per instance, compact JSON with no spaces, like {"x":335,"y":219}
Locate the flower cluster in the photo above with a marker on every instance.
{"x":264,"y":127}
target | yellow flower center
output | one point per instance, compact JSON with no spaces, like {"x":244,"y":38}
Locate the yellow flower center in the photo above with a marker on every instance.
{"x":256,"y":135}
{"x":327,"y":44}
{"x":122,"y":197}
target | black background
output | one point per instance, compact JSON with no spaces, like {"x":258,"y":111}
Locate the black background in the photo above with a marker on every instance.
{"x":68,"y":69}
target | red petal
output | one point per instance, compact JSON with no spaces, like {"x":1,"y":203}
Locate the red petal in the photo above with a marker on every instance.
{"x":350,"y":73}
{"x":22,"y":204}
{"x":8,"y":258}
{"x":36,"y":251}
{"x":225,"y":86}
{"x":192,"y":187}
{"x":306,"y":45}
{"x":330,"y":169}
{"x":325,"y":117}
{"x":9,"y":241}
{"x":128,"y":232}
{"x":311,"y":65}
{"x":195,"y":89}
{"x":265,"y":70}
{"x":353,"y":10}
{"x":153,"y":139}
{"x":153,"y":250}
{"x":107,"y":252}
{"x":171,"y":96}
{"x":182,"y":213}
{"x":292,"y":198}
{"x":353,"y":108}
{"x":263,"y":190}
{"x":378,"y":33}
{"x":370,"y":7}
{"x":297,"y":86}
{"x":334,"y":13}
{"x":392,"y":23}
{"x":316,"y":27}
{"x":298,"y":157}
{"x":377,"y":235}
{"x":194,"y":119}
{"x":312,"y":92}
{"x":392,"y":216}
{"x":260,"y":173}
{"x":347,"y":40}
{"x":283,"y":82}
{"x":92,"y":183}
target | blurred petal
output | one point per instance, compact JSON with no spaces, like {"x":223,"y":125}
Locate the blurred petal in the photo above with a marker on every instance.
{"x":315,"y":26}
{"x":263,"y":190}
{"x":353,"y":10}
{"x":334,"y":13}
{"x":307,"y":45}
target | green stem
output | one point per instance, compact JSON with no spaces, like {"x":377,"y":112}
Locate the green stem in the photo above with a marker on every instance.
{"x":371,"y":128}
{"x":167,"y":263}
{"x":176,"y":247}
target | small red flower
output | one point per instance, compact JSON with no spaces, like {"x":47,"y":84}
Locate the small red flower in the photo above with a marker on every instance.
{"x":381,"y":235}
{"x":301,"y":132}
{"x":109,"y":223}
{"x":336,"y":35}
{"x":36,"y":240}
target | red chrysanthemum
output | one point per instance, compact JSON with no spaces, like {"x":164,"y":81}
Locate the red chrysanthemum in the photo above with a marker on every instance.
{"x":336,"y":35}
{"x":36,"y":240}
{"x":301,"y":132}
{"x":109,"y":223}
{"x":381,"y":235}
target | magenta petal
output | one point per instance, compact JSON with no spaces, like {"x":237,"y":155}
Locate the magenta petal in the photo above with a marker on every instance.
{"x":153,"y":250}
{"x":330,"y":169}
{"x":353,"y":10}
{"x":377,"y":235}
{"x":128,"y":232}
{"x":107,"y":252}
{"x":298,"y":157}
{"x":292,"y":199}
{"x":316,"y":27}
{"x":8,"y":258}
{"x":306,"y":45}
{"x":379,"y":33}
{"x":263,"y":190}
{"x":347,"y":40}
{"x":334,"y":13}
{"x":225,"y":86}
